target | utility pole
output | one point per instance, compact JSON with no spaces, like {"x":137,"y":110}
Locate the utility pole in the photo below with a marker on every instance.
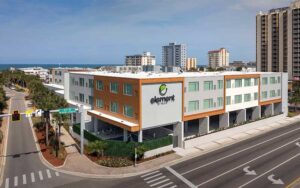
{"x":82,"y":125}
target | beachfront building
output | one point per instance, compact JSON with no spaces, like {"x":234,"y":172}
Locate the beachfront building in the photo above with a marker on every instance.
{"x":145,"y":106}
{"x":140,"y":59}
{"x":218,"y":58}
{"x":42,"y":73}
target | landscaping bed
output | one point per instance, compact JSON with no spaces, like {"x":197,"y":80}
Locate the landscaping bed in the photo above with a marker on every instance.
{"x":49,"y":152}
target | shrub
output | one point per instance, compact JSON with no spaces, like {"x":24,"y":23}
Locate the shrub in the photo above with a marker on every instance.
{"x":39,"y":126}
{"x":97,"y":147}
{"x":140,"y":150}
{"x":115,"y":162}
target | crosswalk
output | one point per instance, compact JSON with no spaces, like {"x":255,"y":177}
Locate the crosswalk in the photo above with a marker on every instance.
{"x":157,"y":179}
{"x":32,"y":177}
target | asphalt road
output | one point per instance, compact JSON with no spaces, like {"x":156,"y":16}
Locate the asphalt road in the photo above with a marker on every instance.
{"x":268,"y":160}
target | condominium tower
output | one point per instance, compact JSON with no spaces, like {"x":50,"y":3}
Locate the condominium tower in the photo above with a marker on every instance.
{"x":218,"y":58}
{"x":174,"y":55}
{"x":140,"y":59}
{"x":278,"y":40}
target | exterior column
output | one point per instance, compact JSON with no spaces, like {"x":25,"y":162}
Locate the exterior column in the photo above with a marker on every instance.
{"x":272,"y":109}
{"x":256,"y":113}
{"x":125,"y":135}
{"x":224,"y":120}
{"x":140,"y":136}
{"x":95,"y":124}
{"x":204,"y":126}
{"x":241,"y":116}
{"x":269,"y":110}
{"x":178,"y":135}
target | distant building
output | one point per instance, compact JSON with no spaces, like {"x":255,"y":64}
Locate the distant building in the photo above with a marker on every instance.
{"x":218,"y":58}
{"x":58,"y":73}
{"x":152,"y":68}
{"x":237,"y":64}
{"x":140,"y":59}
{"x":277,"y":40}
{"x":251,"y":64}
{"x":174,"y":55}
{"x":191,"y":63}
{"x":42,"y":73}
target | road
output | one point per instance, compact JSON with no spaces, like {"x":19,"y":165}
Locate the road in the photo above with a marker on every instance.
{"x":268,"y":160}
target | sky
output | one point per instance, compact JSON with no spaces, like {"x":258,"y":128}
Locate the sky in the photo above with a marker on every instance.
{"x":104,"y":31}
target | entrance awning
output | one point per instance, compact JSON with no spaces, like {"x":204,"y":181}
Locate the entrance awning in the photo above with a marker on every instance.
{"x":130,"y":126}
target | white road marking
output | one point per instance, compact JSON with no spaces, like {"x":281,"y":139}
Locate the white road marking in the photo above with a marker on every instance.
{"x":32,"y":177}
{"x":57,"y":173}
{"x":269,"y":171}
{"x":224,"y":173}
{"x":165,"y":185}
{"x":48,"y":173}
{"x":174,"y":186}
{"x":245,"y":149}
{"x":187,"y":182}
{"x":41,"y":175}
{"x":148,"y":178}
{"x":274,"y":181}
{"x":149,"y":173}
{"x":7,"y":183}
{"x":298,"y":144}
{"x":16,"y":181}
{"x":249,"y":172}
{"x":24,"y":179}
{"x":160,"y":182}
{"x":161,"y":177}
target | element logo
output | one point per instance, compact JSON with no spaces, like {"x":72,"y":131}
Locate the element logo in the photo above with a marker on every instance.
{"x":163,"y":89}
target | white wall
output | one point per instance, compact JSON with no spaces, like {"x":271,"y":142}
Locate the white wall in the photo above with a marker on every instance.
{"x":241,"y":91}
{"x":161,"y":114}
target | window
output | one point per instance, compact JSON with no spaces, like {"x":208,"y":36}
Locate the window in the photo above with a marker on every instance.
{"x":264,"y":81}
{"x":247,"y":97}
{"x":128,"y":111}
{"x":81,"y":97}
{"x":99,"y":85}
{"x":278,"y":79}
{"x":72,"y":81}
{"x":272,"y":93}
{"x":278,"y":92}
{"x":238,"y":83}
{"x":193,"y":106}
{"x":81,"y":82}
{"x":114,"y":107}
{"x":99,"y":103}
{"x":272,"y":80}
{"x":220,"y":101}
{"x":208,"y":103}
{"x":220,"y":84}
{"x":208,"y":85}
{"x":91,"y":83}
{"x":228,"y":84}
{"x":237,"y":99}
{"x":264,"y":95}
{"x":228,"y":100}
{"x":114,"y":87}
{"x":255,"y":96}
{"x":76,"y":98}
{"x":247,"y":82}
{"x":193,"y":86}
{"x":127,"y":89}
{"x":255,"y":81}
{"x":91,"y":100}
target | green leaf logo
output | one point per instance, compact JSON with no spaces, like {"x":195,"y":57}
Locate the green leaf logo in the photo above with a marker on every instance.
{"x":163,"y":89}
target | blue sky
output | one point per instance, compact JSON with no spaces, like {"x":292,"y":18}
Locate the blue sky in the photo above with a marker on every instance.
{"x":104,"y":31}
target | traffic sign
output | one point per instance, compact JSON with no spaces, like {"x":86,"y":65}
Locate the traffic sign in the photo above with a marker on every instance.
{"x":29,"y":112}
{"x":38,"y":113}
{"x":67,"y":110}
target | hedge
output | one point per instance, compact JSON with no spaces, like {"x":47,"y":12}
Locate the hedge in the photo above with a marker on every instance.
{"x":124,"y":149}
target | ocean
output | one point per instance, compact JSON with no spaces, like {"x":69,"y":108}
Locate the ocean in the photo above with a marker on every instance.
{"x":48,"y":66}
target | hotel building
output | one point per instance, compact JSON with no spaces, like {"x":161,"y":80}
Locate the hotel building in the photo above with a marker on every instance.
{"x":150,"y":105}
{"x":218,"y":58}
{"x":278,"y":40}
{"x":140,"y":60}
{"x":174,"y":55}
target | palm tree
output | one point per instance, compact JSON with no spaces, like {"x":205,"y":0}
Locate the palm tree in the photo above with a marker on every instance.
{"x":97,"y":147}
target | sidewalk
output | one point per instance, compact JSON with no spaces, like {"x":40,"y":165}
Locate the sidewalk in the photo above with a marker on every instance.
{"x":77,"y":164}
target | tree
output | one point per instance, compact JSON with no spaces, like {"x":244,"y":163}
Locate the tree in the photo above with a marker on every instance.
{"x":97,"y":147}
{"x":239,"y":69}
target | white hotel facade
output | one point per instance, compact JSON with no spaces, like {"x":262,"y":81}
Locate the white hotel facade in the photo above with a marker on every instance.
{"x":150,"y":105}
